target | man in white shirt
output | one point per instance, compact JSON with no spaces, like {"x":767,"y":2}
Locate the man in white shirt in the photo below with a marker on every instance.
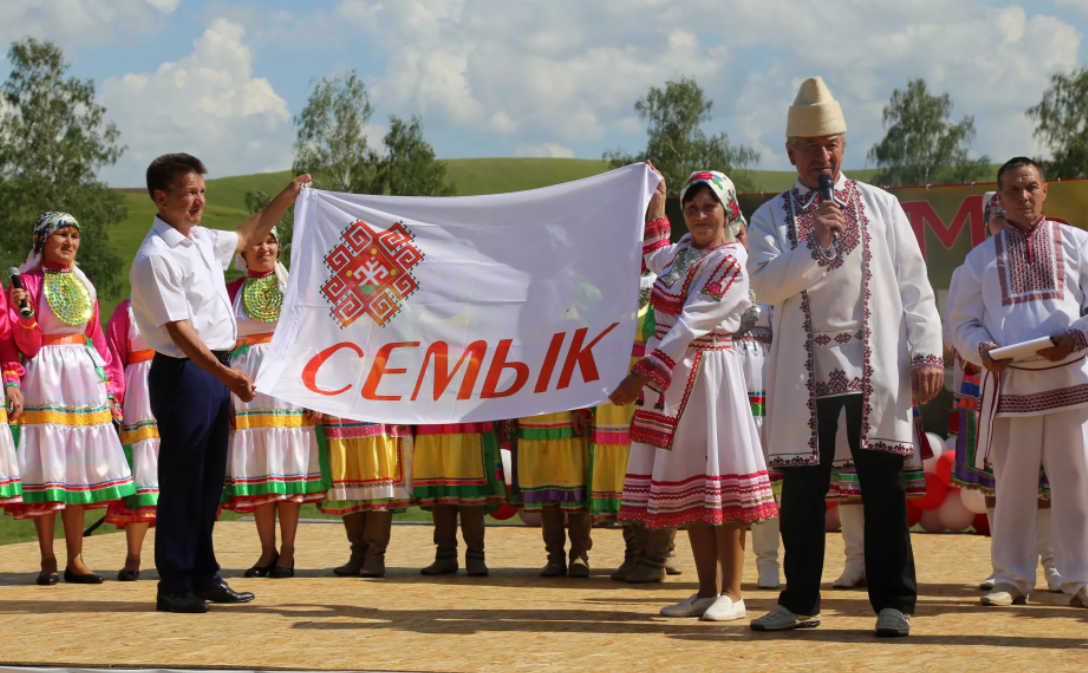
{"x":855,"y":329}
{"x":180,"y":303}
{"x":1028,"y":282}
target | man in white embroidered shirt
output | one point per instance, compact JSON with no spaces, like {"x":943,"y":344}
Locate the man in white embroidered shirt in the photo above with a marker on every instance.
{"x":856,"y":329}
{"x":180,"y":303}
{"x":1029,"y":282}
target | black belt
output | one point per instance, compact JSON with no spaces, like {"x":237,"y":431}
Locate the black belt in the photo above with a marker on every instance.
{"x":222,"y":356}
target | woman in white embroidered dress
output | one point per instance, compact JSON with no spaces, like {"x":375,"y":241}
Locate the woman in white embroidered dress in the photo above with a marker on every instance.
{"x":130,"y":363}
{"x":69,"y":453}
{"x":696,"y":458}
{"x":274,"y":458}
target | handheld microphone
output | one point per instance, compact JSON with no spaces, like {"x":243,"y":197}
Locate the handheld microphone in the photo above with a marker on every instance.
{"x":17,"y":283}
{"x":827,"y":193}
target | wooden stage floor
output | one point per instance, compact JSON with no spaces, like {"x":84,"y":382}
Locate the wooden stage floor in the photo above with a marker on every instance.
{"x":513,"y":620}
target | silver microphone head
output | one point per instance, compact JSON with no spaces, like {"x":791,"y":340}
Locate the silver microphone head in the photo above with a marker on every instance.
{"x":13,"y":272}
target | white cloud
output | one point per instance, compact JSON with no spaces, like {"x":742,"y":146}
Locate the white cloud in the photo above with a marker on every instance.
{"x":569,"y":71}
{"x":208,"y":104}
{"x":82,"y":22}
{"x":550,"y":150}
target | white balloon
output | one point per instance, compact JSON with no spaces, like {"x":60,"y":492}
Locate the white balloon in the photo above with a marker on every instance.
{"x":929,"y":465}
{"x":953,"y":514}
{"x":931,"y":522}
{"x":974,"y":500}
{"x":531,"y":519}
{"x":936,"y":443}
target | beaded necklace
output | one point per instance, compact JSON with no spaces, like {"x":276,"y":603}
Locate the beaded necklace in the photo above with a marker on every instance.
{"x":68,"y":297}
{"x":261,"y":296}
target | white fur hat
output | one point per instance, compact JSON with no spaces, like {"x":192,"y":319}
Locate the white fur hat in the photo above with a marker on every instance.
{"x":815,"y":112}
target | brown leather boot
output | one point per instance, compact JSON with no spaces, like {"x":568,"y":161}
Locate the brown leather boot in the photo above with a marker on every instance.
{"x":379,"y":528}
{"x":580,"y":529}
{"x":672,"y":565}
{"x":445,"y":541}
{"x":651,"y":567}
{"x":472,"y":529}
{"x":551,"y":527}
{"x":634,"y":539}
{"x":354,"y":524}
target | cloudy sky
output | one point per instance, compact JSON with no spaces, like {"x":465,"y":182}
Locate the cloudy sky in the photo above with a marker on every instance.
{"x":222,"y":78}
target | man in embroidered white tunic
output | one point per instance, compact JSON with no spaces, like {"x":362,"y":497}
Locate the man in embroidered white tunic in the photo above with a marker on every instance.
{"x":1028,"y":282}
{"x":856,"y":327}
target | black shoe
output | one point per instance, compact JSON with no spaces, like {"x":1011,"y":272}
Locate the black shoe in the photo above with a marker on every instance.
{"x":47,"y":579}
{"x":263,"y":571}
{"x":128,"y":575}
{"x":224,"y":594}
{"x":281,"y":572}
{"x":90,"y":578}
{"x":186,"y":603}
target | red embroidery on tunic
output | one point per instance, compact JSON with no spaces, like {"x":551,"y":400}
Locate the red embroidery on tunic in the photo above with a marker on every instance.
{"x":838,"y":384}
{"x":1044,"y":401}
{"x":806,"y":222}
{"x":1030,"y":266}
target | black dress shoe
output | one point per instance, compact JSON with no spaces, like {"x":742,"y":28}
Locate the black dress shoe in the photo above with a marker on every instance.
{"x":90,"y":578}
{"x":186,"y":603}
{"x":128,"y":575}
{"x":282,"y":572}
{"x":263,"y":571}
{"x":224,"y":594}
{"x":47,"y":579}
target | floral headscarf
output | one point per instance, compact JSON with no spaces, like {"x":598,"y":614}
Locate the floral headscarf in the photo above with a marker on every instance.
{"x":47,"y":225}
{"x":726,"y":192}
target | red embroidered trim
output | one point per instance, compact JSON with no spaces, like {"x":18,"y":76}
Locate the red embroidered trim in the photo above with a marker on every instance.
{"x":1044,"y":401}
{"x":655,"y":370}
{"x":657,"y":429}
{"x":810,"y":356}
{"x":837,"y":384}
{"x":1080,"y":340}
{"x":806,"y":223}
{"x":1030,"y":267}
{"x":721,"y":279}
{"x":927,"y":361}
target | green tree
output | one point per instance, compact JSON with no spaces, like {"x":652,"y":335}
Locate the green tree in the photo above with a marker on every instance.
{"x":921,"y":145}
{"x":409,"y":167}
{"x":332,"y":144}
{"x":1061,"y":121}
{"x":53,"y":141}
{"x":677,"y":143}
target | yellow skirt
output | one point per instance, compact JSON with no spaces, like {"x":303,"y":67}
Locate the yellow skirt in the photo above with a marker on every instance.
{"x":370,"y":467}
{"x":551,"y":464}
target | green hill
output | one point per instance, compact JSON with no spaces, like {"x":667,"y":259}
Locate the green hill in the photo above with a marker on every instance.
{"x":227,"y":196}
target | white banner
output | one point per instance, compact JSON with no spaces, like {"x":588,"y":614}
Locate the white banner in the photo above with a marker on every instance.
{"x":441,"y":310}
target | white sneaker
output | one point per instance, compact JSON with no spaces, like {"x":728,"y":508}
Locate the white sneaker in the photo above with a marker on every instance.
{"x":988,"y":583}
{"x":724,"y":610}
{"x":1053,"y":580}
{"x":781,"y":619}
{"x":1003,"y":596}
{"x":892,"y":623}
{"x":768,"y":577}
{"x":692,"y":606}
{"x":853,"y":575}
